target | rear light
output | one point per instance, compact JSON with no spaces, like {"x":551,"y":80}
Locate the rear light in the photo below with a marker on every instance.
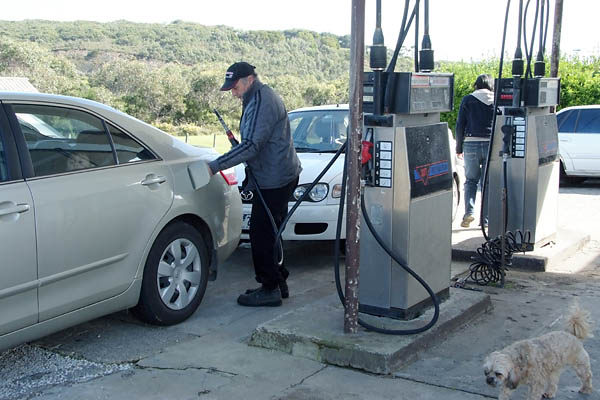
{"x":229,"y":176}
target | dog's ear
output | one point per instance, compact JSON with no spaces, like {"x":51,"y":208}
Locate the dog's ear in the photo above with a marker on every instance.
{"x":512,"y":380}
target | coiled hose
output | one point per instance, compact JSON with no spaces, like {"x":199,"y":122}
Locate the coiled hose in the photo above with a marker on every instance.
{"x":488,"y":267}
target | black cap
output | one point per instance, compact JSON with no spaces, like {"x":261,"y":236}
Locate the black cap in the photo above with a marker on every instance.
{"x":235,"y":72}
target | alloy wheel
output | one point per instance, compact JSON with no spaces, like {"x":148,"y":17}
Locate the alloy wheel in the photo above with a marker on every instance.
{"x":179,"y":274}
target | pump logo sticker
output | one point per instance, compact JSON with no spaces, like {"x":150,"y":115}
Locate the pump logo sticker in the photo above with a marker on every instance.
{"x":426,"y":172}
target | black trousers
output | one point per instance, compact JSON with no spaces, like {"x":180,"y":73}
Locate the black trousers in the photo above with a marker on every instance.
{"x":262,"y":237}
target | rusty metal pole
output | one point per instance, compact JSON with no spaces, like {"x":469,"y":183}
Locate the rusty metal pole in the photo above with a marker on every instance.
{"x":555,"y":56}
{"x":357,"y":57}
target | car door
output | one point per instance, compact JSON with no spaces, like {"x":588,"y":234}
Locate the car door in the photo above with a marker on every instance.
{"x":94,"y":214}
{"x":585,"y":142}
{"x":18,"y":286}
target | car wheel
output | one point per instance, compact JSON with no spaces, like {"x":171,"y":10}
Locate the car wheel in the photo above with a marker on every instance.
{"x":455,"y":197}
{"x":565,"y":179}
{"x":175,"y":276}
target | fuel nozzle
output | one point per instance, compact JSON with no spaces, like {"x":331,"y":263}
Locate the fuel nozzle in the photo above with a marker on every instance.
{"x":367,"y":158}
{"x":508,"y":131}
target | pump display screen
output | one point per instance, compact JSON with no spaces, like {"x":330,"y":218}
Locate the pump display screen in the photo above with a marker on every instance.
{"x":428,"y":159}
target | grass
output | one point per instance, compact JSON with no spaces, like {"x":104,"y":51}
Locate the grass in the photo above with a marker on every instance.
{"x":218,"y":142}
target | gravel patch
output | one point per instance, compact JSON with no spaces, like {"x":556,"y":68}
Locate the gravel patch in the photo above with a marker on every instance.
{"x":26,"y":370}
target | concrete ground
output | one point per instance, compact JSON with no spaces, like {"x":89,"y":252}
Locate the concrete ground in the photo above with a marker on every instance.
{"x":207,"y":357}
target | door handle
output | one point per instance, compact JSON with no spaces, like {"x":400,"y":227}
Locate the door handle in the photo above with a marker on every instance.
{"x":153,"y":179}
{"x":18,"y":209}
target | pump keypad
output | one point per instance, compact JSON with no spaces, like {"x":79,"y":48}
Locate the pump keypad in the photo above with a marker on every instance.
{"x":383,"y":164}
{"x":518,"y":138}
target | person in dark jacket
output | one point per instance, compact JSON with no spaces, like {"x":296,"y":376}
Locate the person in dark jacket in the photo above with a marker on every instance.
{"x":267,"y":147}
{"x":473,"y":131}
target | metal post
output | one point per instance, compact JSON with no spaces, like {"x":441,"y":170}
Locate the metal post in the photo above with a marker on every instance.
{"x":555,"y":56}
{"x":357,"y":56}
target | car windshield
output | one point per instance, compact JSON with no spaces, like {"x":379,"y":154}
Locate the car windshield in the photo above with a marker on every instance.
{"x":319,"y":131}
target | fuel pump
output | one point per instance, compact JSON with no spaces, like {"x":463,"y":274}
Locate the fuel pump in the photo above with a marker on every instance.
{"x":526,"y":137}
{"x":521,"y":174}
{"x":407,"y":198}
{"x":523,"y":160}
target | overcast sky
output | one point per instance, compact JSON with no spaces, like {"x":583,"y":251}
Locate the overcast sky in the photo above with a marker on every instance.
{"x":459,"y":29}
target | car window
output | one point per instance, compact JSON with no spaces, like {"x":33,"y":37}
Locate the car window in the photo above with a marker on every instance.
{"x":589,"y":121}
{"x":561,"y":116}
{"x":566,"y":121}
{"x":314,"y":131}
{"x":3,"y":167}
{"x":63,"y":139}
{"x":128,"y":149}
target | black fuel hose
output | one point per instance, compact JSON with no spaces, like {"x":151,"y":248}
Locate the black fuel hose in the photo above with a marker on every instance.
{"x":307,"y":191}
{"x":494,"y":119}
{"x":278,"y":252}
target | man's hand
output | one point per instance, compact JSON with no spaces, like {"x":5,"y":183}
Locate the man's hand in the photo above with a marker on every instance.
{"x":459,"y":156}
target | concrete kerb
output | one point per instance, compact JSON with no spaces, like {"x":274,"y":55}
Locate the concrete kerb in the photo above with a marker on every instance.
{"x":545,"y":258}
{"x":316,"y":332}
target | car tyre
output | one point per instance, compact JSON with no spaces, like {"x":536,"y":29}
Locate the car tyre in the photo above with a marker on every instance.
{"x":175,"y":276}
{"x":566,"y":179}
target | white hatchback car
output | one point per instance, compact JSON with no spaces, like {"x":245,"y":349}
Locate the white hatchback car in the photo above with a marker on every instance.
{"x":579,"y":142}
{"x":101,"y":212}
{"x":318,"y":133}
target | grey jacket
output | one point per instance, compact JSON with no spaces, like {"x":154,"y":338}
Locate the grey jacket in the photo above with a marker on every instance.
{"x":266,"y":144}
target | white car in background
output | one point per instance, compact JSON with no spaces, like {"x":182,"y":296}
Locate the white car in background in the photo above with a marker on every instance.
{"x":579,"y":142}
{"x":318,"y":133}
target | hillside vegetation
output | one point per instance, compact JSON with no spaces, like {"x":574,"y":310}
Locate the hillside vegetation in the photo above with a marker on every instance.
{"x":170,"y":74}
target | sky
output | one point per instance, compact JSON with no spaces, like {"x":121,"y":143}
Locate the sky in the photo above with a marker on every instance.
{"x":459,"y":30}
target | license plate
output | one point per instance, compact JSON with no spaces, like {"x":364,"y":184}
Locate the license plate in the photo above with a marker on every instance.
{"x":245,"y":222}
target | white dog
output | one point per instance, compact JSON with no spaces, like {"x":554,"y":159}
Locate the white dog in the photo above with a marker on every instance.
{"x":538,"y":362}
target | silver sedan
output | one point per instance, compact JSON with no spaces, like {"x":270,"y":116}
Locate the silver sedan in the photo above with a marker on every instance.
{"x":101,"y":212}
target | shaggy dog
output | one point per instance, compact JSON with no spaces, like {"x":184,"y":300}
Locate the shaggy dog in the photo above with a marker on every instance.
{"x":538,"y":362}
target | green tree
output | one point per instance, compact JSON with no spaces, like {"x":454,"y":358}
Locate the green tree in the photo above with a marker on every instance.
{"x":47,"y":72}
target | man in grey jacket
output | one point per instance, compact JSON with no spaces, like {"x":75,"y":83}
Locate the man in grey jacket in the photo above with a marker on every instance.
{"x":267,"y":147}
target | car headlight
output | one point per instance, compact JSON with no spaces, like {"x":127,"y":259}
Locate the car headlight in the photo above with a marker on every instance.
{"x":318,"y":193}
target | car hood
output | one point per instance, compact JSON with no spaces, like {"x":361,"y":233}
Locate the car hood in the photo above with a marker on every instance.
{"x":312,"y":165}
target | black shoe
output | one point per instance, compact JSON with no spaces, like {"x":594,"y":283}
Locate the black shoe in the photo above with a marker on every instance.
{"x":248,"y":291}
{"x":261,"y":297}
{"x":283,"y":288}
